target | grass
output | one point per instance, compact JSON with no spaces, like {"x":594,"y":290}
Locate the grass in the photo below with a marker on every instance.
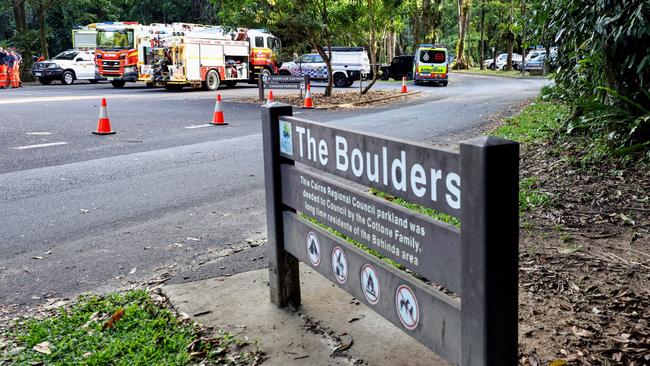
{"x":537,"y":122}
{"x":146,"y":334}
{"x":417,"y":208}
{"x":530,"y":197}
{"x":509,"y":74}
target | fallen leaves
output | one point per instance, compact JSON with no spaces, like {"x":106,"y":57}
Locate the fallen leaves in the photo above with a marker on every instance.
{"x":43,"y":347}
{"x":110,"y":323}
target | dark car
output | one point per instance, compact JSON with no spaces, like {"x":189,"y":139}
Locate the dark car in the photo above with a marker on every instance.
{"x":400,"y":66}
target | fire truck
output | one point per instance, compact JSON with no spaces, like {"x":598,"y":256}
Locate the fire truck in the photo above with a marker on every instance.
{"x":116,"y":55}
{"x":212,"y":56}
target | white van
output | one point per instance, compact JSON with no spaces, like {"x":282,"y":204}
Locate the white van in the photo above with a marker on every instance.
{"x":348,"y":65}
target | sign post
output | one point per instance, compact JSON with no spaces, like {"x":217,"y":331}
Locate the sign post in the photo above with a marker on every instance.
{"x":473,"y":325}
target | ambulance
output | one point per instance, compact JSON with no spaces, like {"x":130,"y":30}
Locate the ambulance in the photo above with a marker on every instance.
{"x":431,"y":65}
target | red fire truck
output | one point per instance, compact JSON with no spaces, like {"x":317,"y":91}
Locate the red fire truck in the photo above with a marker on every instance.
{"x":116,"y":55}
{"x":211,"y":57}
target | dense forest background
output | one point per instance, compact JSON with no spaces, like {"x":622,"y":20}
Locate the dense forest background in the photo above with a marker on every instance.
{"x":602,"y":68}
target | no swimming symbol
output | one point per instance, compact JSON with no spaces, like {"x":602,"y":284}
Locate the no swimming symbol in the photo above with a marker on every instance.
{"x":407,"y":307}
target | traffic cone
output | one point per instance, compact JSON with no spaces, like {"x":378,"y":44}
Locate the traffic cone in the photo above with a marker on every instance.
{"x":104,"y":123}
{"x":270,"y":98}
{"x":404,"y":90}
{"x":308,"y":102}
{"x":217,"y":118}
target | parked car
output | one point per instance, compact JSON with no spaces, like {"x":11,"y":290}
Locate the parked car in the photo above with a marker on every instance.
{"x":531,"y":55}
{"x":501,"y":61}
{"x":67,"y":67}
{"x":399,"y":67}
{"x":348,"y":65}
{"x":535,"y":64}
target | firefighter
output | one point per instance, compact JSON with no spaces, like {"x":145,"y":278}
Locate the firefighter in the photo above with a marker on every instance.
{"x":4,"y":77}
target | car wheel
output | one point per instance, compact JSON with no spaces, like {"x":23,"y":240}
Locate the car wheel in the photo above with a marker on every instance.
{"x":67,"y":78}
{"x":118,"y":84}
{"x":340,"y":80}
{"x":212,"y":80}
{"x":444,"y":83}
{"x":93,"y":81}
{"x":45,"y":81}
{"x":385,"y":76}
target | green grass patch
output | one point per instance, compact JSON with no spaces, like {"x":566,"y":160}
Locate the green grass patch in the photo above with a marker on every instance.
{"x":537,"y":122}
{"x":530,"y":197}
{"x":418,"y":208}
{"x":146,"y":334}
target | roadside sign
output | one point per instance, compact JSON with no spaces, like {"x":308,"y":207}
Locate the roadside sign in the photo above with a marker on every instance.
{"x":282,"y":82}
{"x":313,"y":209}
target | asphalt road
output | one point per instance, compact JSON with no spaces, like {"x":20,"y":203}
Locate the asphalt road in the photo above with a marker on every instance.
{"x":168,"y":196}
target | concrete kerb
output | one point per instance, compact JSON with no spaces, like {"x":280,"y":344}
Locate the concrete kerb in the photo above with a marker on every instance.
{"x":316,"y":334}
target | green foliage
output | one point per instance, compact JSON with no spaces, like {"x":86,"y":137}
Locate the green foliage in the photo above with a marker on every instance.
{"x":537,"y":122}
{"x":604,"y":68}
{"x":146,"y":334}
{"x":530,"y":196}
{"x":418,"y":208}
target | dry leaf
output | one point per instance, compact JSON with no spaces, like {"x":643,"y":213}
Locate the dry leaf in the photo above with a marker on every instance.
{"x":558,"y":363}
{"x":114,"y":318}
{"x":43,"y":347}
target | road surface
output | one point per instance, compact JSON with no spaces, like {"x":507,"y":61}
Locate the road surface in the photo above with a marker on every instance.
{"x":168,"y":196}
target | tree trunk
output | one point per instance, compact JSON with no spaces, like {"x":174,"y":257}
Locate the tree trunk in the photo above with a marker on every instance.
{"x":464,"y":7}
{"x":481,"y":47}
{"x":373,"y":48}
{"x":19,"y":14}
{"x":42,"y":31}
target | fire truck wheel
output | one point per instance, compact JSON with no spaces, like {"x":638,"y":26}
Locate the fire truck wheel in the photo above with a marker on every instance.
{"x":266,"y":72}
{"x":211,"y":80}
{"x":118,"y":84}
{"x":67,"y":78}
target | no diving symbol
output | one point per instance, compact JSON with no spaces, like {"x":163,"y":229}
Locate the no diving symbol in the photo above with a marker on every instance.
{"x":407,"y":306}
{"x":313,"y":248}
{"x":339,"y":265}
{"x":370,"y":284}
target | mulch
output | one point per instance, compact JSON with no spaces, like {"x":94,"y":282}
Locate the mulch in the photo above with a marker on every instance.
{"x":344,"y":99}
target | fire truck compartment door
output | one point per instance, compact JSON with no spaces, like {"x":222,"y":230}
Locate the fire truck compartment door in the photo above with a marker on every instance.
{"x":235,"y":50}
{"x":211,"y":55}
{"x":193,"y":59}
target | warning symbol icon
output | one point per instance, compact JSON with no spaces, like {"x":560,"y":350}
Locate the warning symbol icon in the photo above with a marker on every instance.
{"x":339,"y":265}
{"x":370,"y":284}
{"x":313,"y":248}
{"x":407,"y":306}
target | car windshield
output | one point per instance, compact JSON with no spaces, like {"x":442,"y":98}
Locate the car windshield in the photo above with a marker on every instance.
{"x":122,"y":38}
{"x":65,"y":55}
{"x":274,"y":44}
{"x":432,"y":56}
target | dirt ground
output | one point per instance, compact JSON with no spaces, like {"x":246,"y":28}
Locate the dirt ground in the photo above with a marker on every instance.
{"x":585,"y":263}
{"x":345,"y":99}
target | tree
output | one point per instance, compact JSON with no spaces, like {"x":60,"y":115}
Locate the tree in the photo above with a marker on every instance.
{"x":20,"y":16}
{"x":464,"y":9}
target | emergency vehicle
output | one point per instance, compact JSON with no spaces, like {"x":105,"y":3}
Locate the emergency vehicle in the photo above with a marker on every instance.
{"x":116,"y":55}
{"x":209,"y":57}
{"x":431,"y":65}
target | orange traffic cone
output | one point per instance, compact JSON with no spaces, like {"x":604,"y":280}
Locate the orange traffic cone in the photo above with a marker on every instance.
{"x":104,"y":124}
{"x":217,"y":118}
{"x":308,"y":102}
{"x":270,"y":99}
{"x":404,"y":90}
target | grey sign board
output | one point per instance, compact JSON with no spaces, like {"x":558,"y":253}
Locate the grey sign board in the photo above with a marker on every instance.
{"x":313,"y":172}
{"x":427,"y":247}
{"x":415,"y":172}
{"x":282,"y":82}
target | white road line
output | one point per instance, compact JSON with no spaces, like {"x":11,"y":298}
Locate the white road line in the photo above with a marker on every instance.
{"x":39,"y":145}
{"x":198,"y":126}
{"x":39,"y":133}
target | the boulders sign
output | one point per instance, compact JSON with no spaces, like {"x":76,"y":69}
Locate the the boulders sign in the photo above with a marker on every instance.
{"x":474,"y":325}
